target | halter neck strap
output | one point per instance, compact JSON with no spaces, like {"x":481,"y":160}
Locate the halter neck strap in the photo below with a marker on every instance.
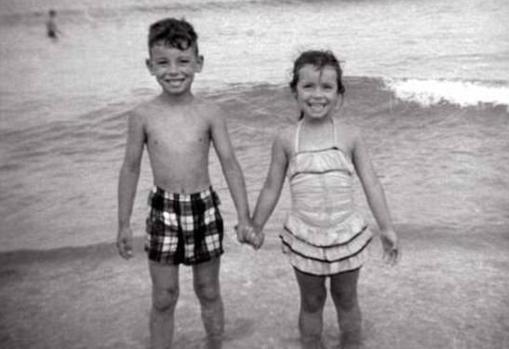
{"x":299,"y":127}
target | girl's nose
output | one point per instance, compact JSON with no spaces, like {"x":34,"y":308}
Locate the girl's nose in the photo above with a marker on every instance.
{"x":317,"y":92}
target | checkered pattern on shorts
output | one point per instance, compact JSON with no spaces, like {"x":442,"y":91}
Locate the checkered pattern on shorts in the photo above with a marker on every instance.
{"x":183,"y":228}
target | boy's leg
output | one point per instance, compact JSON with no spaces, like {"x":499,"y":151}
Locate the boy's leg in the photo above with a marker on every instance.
{"x":206,"y":286}
{"x":344,"y":295}
{"x":165,"y":291}
{"x":312,"y":301}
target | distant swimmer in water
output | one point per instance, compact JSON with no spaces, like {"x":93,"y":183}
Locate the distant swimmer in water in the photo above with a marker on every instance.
{"x":51,"y":25}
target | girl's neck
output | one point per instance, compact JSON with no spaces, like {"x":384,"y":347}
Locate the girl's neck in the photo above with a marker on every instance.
{"x":317,"y":122}
{"x":316,"y":133}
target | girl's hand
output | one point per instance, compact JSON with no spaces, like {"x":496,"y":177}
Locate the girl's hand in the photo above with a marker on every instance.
{"x":390,"y":245}
{"x":248,"y":234}
{"x":256,"y":238}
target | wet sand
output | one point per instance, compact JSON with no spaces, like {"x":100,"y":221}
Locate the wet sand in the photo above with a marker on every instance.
{"x":450,"y":290}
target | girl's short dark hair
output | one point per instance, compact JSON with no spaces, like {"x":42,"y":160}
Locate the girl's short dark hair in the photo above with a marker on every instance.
{"x":176,"y":33}
{"x":319,"y":59}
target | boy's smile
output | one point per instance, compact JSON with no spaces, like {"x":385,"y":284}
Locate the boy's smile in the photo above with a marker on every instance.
{"x":174,"y":69}
{"x":317,"y":90}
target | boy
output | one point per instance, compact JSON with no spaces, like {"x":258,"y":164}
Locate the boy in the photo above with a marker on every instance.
{"x":184,"y":225}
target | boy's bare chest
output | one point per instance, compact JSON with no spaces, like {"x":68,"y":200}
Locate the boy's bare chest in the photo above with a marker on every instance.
{"x":177,"y":136}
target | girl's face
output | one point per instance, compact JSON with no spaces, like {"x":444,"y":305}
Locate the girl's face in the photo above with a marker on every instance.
{"x":317,"y":91}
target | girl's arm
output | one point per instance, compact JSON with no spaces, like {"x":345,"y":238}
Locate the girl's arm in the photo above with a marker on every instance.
{"x":375,"y":196}
{"x":272,"y":187}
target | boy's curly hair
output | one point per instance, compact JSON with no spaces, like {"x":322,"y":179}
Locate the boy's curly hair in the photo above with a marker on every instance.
{"x":172,"y":32}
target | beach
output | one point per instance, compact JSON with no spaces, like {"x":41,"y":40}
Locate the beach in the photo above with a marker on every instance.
{"x":447,"y":292}
{"x":428,"y":88}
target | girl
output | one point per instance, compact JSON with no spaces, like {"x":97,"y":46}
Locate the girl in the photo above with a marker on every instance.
{"x":323,"y":235}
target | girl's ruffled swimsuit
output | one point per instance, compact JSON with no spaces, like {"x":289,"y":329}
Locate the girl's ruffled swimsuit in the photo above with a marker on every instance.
{"x":323,"y":233}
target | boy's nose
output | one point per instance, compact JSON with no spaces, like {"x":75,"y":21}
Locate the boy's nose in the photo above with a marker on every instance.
{"x":172,"y":69}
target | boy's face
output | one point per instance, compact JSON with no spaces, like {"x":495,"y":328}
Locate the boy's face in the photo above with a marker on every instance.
{"x":174,"y":69}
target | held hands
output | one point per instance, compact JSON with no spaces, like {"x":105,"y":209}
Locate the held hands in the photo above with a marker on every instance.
{"x":125,"y":242}
{"x":391,"y":246}
{"x":246,"y":233}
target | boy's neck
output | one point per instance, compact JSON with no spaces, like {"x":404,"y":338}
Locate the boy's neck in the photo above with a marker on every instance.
{"x":173,"y":99}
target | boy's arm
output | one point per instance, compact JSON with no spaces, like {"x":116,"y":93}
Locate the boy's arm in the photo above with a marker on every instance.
{"x":231,"y":169}
{"x":273,"y":185}
{"x":128,"y":181}
{"x":375,"y":196}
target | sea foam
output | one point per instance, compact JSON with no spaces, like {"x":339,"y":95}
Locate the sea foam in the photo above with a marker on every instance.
{"x":463,"y":93}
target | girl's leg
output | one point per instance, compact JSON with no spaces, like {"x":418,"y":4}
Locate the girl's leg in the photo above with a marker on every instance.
{"x":344,"y":295}
{"x":312,"y":300}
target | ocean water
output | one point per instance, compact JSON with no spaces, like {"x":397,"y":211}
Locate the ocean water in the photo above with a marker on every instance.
{"x":427,"y":80}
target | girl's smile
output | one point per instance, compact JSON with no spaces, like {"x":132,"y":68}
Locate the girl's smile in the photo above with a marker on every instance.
{"x":317,"y":91}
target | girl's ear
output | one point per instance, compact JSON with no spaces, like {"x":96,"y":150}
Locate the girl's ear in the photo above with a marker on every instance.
{"x":339,"y":105}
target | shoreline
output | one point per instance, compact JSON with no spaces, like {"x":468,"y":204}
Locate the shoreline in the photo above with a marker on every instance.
{"x":449,"y":291}
{"x":467,"y":236}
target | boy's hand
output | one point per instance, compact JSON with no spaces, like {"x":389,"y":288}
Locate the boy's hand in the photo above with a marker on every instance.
{"x":241,"y":230}
{"x":390,"y":245}
{"x":247,"y":234}
{"x":125,"y":243}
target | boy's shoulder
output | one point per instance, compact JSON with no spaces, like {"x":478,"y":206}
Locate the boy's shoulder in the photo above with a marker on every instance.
{"x":142,"y":110}
{"x":209,"y":110}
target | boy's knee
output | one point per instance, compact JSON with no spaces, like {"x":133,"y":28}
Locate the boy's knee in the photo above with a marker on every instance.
{"x":165,"y":299}
{"x":207,"y":292}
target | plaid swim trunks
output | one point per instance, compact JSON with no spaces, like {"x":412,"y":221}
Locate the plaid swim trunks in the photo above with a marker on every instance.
{"x":183,"y":228}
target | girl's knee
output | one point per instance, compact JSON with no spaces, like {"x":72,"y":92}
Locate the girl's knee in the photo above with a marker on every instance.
{"x":165,"y":299}
{"x":314,"y":302}
{"x":345,"y":297}
{"x":344,"y":291}
{"x":347,"y":300}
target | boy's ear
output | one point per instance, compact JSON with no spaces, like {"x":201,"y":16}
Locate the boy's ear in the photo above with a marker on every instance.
{"x":199,"y":60}
{"x":148,"y":63}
